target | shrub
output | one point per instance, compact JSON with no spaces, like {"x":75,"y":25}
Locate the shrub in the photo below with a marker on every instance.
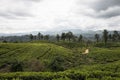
{"x":57,"y":64}
{"x":16,"y":66}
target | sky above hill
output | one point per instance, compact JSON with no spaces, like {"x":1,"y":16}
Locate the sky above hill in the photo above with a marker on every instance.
{"x":41,"y":15}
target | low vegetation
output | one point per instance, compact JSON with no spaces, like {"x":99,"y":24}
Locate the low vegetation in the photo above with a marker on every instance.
{"x":62,"y":59}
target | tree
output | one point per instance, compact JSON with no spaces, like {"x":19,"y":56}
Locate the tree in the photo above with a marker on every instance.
{"x":105,"y":36}
{"x":16,"y":66}
{"x":119,"y":37}
{"x":116,"y":33}
{"x":75,"y":38}
{"x":34,"y":37}
{"x":80,"y":38}
{"x":57,"y":37}
{"x":115,"y":36}
{"x":110,"y":37}
{"x":31,"y":37}
{"x":63,"y":36}
{"x":88,"y":42}
{"x":97,"y":37}
{"x":69,"y":35}
{"x":46,"y":37}
{"x":4,"y":41}
{"x":39,"y":36}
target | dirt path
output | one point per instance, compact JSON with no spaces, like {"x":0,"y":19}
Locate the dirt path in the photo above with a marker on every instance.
{"x":86,"y":51}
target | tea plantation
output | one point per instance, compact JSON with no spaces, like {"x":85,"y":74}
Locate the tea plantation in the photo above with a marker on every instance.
{"x":59,"y":61}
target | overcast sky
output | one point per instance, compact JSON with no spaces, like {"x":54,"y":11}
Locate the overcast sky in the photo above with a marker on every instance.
{"x":40,"y":15}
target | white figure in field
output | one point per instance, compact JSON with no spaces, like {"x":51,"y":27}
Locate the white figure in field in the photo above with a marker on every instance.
{"x":86,"y":51}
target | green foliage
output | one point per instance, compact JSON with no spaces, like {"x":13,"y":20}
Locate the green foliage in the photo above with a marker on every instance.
{"x":16,"y":66}
{"x":66,"y":75}
{"x":80,"y":38}
{"x":42,"y":54}
{"x":97,"y":37}
{"x":31,"y":37}
{"x":45,"y":60}
{"x":57,"y":64}
{"x":105,"y":36}
{"x":4,"y":41}
{"x":109,"y":45}
{"x":57,"y":37}
{"x":65,"y":78}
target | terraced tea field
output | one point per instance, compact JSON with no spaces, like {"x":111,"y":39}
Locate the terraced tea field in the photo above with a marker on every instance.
{"x":44,"y":58}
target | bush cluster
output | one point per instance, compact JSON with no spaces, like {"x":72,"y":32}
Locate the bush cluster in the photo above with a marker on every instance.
{"x":66,"y":75}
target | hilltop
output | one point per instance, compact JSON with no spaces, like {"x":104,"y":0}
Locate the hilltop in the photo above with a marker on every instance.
{"x":27,"y":54}
{"x":44,"y":54}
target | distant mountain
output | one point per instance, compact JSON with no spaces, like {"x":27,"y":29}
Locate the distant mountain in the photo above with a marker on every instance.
{"x":87,"y":33}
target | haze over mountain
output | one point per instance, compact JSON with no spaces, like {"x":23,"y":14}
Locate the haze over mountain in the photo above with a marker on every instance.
{"x":87,"y":33}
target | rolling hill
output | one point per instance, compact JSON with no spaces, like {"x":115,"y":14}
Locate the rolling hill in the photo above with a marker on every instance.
{"x":38,"y":53}
{"x":59,"y":61}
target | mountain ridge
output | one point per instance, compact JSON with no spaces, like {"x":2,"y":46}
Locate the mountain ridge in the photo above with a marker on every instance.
{"x":54,"y":32}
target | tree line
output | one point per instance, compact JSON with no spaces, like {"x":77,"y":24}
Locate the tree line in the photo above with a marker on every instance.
{"x":68,"y":36}
{"x":108,"y":37}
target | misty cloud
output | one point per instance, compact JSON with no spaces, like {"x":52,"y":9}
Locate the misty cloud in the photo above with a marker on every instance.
{"x":99,"y":5}
{"x":14,"y":15}
{"x":28,"y":0}
{"x":106,"y":8}
{"x":15,"y":9}
{"x":31,"y":15}
{"x":111,"y":12}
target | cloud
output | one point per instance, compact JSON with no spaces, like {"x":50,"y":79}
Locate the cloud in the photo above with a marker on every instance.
{"x":28,"y":0}
{"x":15,"y":9}
{"x":105,"y":8}
{"x":99,"y":5}
{"x":110,"y":12}
{"x":14,"y":14}
{"x":35,"y":15}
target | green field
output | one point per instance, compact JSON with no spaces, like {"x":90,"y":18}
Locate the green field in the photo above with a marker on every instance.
{"x":59,"y":61}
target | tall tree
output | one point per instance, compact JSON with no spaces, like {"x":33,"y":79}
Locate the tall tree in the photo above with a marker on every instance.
{"x":63,"y":36}
{"x":39,"y":35}
{"x":113,"y":37}
{"x":34,"y":37}
{"x":119,"y":37}
{"x":69,"y":35}
{"x":97,"y":37}
{"x":75,"y":38}
{"x":31,"y":37}
{"x":80,"y":38}
{"x":116,"y":35}
{"x":110,"y":37}
{"x":57,"y":37}
{"x":105,"y":36}
{"x":46,"y":37}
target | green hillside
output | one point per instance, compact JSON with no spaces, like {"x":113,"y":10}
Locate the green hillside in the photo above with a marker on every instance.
{"x":38,"y":54}
{"x":44,"y":59}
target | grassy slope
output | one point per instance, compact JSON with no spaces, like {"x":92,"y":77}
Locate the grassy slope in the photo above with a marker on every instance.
{"x":99,"y":58}
{"x":25,"y":52}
